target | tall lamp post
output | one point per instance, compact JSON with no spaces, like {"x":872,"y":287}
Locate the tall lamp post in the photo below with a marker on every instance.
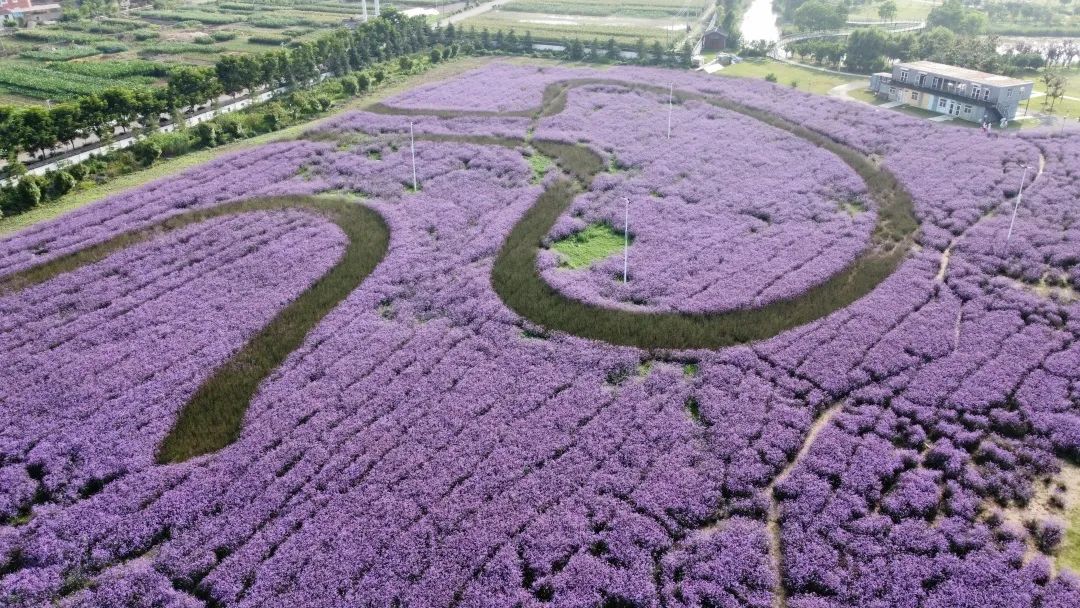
{"x":626,"y":239}
{"x":412,"y":149}
{"x":1016,"y":207}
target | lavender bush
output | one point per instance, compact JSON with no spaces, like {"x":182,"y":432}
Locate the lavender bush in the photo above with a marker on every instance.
{"x":427,"y":447}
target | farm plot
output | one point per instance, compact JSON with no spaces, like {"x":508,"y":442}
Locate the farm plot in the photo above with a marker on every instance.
{"x":33,"y":61}
{"x":429,"y":445}
{"x":548,"y":27}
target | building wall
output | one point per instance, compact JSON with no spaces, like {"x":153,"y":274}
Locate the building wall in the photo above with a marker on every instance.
{"x":13,"y":6}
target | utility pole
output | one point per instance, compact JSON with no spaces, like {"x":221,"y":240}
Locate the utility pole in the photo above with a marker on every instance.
{"x":1016,"y":207}
{"x":626,"y":240}
{"x":671,"y":92}
{"x":412,"y":148}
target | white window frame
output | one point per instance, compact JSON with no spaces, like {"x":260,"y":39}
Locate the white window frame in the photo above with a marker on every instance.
{"x":903,"y":75}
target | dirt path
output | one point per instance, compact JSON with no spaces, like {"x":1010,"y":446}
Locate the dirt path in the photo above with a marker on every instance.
{"x":772,"y":525}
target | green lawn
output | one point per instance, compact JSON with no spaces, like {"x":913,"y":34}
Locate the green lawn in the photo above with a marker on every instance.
{"x":906,"y":10}
{"x":806,"y":79}
{"x":596,"y":242}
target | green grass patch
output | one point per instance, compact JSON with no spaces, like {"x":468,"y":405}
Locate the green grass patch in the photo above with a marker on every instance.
{"x":540,"y":165}
{"x":806,"y":79}
{"x":594,"y":243}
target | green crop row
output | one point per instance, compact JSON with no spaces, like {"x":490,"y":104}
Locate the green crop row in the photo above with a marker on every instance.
{"x":44,"y":83}
{"x":113,"y":69}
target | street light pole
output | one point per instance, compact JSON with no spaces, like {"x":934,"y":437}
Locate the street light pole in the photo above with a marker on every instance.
{"x":626,"y":239}
{"x":412,"y":148}
{"x":671,"y":92}
{"x":1016,"y":207}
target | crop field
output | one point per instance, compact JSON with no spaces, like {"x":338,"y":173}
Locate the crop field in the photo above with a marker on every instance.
{"x":553,"y":20}
{"x":61,"y":61}
{"x":393,"y":362}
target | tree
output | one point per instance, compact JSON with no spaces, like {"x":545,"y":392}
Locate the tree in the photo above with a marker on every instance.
{"x":1054,"y":82}
{"x":119,"y":106}
{"x":27,"y":193}
{"x":60,"y":183}
{"x":190,"y":86}
{"x":887,"y":10}
{"x":820,"y":15}
{"x":10,"y":124}
{"x":611,"y":50}
{"x":866,"y":48}
{"x":656,"y":53}
{"x":37,"y":133}
{"x":92,"y":109}
{"x":955,"y":17}
{"x":230,"y":73}
{"x":66,"y":121}
{"x":576,"y":50}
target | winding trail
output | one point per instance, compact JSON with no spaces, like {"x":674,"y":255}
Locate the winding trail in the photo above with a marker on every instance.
{"x":772,"y":523}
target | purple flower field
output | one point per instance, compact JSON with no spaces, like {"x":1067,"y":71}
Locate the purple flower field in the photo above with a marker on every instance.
{"x":426,"y":446}
{"x":707,"y":206}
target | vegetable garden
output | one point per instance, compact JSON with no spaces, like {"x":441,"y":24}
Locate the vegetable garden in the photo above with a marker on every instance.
{"x":296,"y":376}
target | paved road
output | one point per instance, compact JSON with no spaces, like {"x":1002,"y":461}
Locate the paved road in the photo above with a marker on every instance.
{"x":94,"y":148}
{"x":841,"y":91}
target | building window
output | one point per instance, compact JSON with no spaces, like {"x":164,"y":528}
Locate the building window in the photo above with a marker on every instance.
{"x":892,"y":90}
{"x":903,"y":75}
{"x":936,"y":82}
{"x":922,"y":79}
{"x":941,"y":102}
{"x":975,"y":91}
{"x":914,"y":96}
{"x":986,"y":94}
{"x":1010,"y":93}
{"x":967,"y":109}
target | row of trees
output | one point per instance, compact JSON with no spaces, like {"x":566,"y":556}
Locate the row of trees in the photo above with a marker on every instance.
{"x":868,"y":50}
{"x":284,"y":110}
{"x":576,"y":49}
{"x":36,"y":130}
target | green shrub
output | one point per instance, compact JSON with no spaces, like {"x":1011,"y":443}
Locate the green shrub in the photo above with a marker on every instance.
{"x":60,"y":183}
{"x":111,"y":47}
{"x":27,"y":194}
{"x":146,"y":152}
{"x":267,"y":40}
{"x":171,"y":144}
{"x":223,"y":36}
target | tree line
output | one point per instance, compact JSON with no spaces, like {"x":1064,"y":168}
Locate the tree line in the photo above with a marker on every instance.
{"x":36,"y":130}
{"x":869,"y":49}
{"x":576,"y":49}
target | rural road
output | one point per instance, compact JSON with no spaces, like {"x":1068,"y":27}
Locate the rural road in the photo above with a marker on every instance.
{"x":841,"y":91}
{"x":93,"y":148}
